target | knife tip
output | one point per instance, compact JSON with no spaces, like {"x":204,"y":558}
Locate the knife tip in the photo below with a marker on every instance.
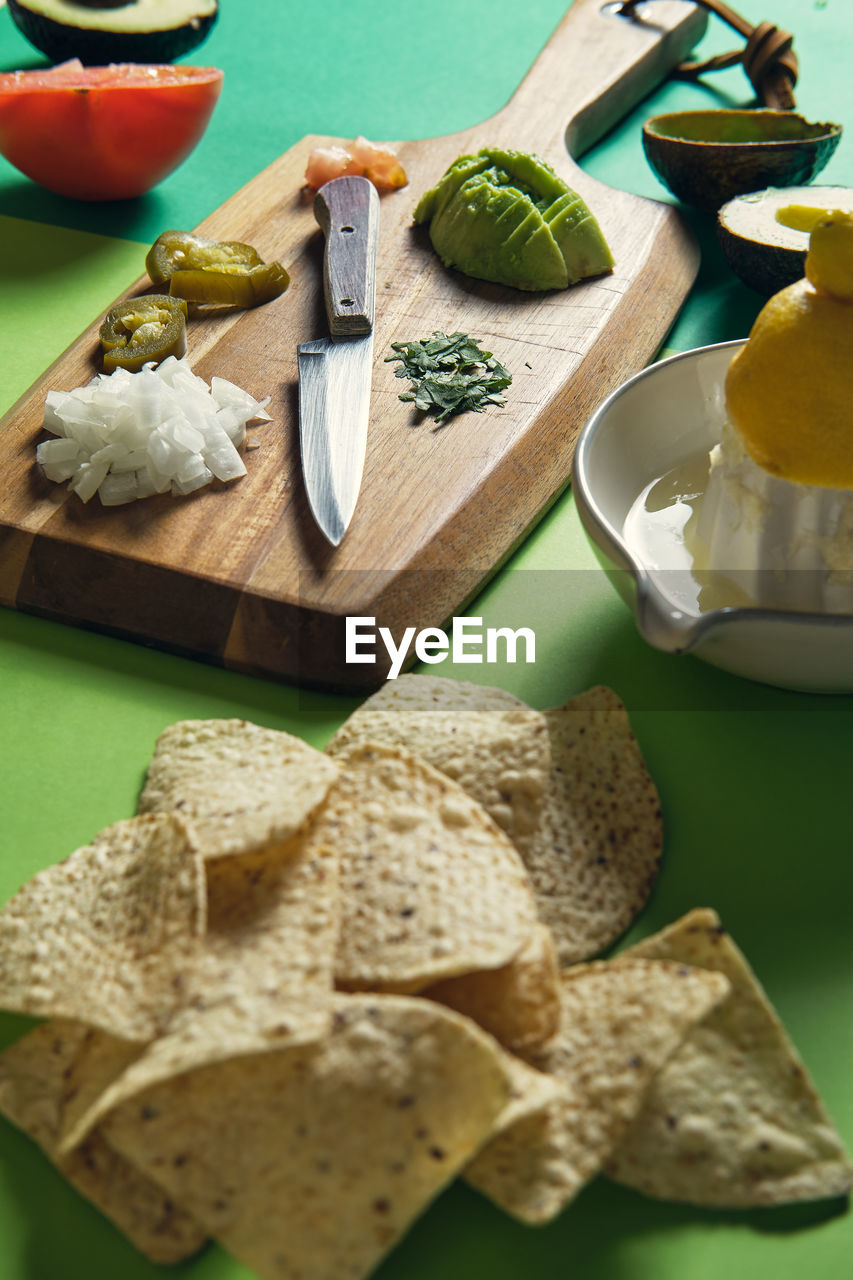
{"x":333,"y":528}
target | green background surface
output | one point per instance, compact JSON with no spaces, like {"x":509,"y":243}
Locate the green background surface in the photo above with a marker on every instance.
{"x":755,"y":782}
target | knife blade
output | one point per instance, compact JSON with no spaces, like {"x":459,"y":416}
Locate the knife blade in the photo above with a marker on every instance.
{"x":335,"y":372}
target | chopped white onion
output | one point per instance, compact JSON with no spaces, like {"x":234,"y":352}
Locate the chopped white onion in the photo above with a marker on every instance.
{"x":129,"y":435}
{"x":118,"y":487}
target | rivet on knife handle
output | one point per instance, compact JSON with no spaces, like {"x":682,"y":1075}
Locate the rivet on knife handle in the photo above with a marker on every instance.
{"x":348,"y":211}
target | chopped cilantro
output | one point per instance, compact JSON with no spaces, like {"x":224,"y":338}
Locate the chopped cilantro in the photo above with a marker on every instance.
{"x":450,"y":374}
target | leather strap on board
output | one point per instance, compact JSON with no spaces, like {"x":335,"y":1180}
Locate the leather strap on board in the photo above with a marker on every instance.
{"x":768,"y":57}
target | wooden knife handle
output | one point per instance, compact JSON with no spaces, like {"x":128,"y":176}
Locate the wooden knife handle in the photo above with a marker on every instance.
{"x":348,"y":211}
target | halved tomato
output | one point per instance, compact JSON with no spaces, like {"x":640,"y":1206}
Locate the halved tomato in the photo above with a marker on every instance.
{"x":104,"y":133}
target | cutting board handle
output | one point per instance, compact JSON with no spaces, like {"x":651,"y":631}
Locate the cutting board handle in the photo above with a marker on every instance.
{"x":596,"y":67}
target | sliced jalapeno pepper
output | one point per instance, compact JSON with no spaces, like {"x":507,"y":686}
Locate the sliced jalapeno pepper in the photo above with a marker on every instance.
{"x":225,"y":272}
{"x":231,"y":284}
{"x":181,"y":250}
{"x":142,"y":330}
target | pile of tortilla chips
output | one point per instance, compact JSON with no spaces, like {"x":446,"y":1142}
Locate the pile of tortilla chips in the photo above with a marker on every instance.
{"x":300,"y":992}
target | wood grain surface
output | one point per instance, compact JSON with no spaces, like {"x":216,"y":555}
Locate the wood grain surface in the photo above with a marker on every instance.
{"x":238,"y":574}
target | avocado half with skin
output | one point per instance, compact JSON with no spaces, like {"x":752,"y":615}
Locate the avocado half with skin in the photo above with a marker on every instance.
{"x":507,"y":217}
{"x":757,"y":237}
{"x":99,"y":32}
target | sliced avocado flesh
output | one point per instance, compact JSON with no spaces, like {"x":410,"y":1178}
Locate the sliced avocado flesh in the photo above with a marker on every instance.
{"x":98,"y":33}
{"x":475,"y":223}
{"x":506,"y":216}
{"x":526,"y":173}
{"x":530,"y":173}
{"x":568,"y":206}
{"x":515,"y":210}
{"x":584,"y":249}
{"x":523,"y":230}
{"x":537,"y":249}
{"x":485,"y":233}
{"x":434,"y":200}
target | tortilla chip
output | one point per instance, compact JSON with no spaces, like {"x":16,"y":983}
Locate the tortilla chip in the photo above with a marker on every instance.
{"x":487,"y":740}
{"x":262,"y":976}
{"x":528,"y":1167}
{"x":519,"y":1003}
{"x":569,"y":787}
{"x":733,"y":1120}
{"x":530,"y":1093}
{"x":595,"y":858}
{"x":620,"y":1023}
{"x":312,"y":1162}
{"x":35,"y":1078}
{"x":241,"y":785}
{"x":268,"y":952}
{"x":430,"y":886}
{"x":97,"y":937}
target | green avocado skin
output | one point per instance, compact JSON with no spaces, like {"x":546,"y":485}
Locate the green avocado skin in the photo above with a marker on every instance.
{"x":506,"y":217}
{"x":51,"y":28}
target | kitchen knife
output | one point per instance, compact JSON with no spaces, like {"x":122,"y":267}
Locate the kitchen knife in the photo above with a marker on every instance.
{"x":335,"y":372}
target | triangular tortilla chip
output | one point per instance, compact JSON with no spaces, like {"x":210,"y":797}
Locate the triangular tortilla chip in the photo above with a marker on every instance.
{"x":261,"y":977}
{"x":36,"y":1075}
{"x":487,"y":740}
{"x":733,"y":1120}
{"x":267,"y":956}
{"x":241,"y":785}
{"x":620,"y":1023}
{"x":99,"y":936}
{"x":569,"y":787}
{"x":430,"y":885}
{"x":136,"y":935}
{"x":595,"y":857}
{"x":311,"y":1162}
{"x":519,"y":1003}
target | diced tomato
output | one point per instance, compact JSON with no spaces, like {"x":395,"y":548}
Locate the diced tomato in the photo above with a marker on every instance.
{"x":371,"y":160}
{"x":326,"y":163}
{"x":379,"y":163}
{"x":104,"y":133}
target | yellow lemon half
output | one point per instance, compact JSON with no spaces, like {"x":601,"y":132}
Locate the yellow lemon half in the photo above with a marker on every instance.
{"x":789,"y":391}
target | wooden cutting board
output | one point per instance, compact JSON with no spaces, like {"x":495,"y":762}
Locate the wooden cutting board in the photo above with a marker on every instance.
{"x":240,"y":576}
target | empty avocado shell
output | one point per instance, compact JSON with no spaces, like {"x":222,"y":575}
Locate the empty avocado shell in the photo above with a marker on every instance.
{"x":758,"y":239}
{"x":98,"y":33}
{"x":707,"y":157}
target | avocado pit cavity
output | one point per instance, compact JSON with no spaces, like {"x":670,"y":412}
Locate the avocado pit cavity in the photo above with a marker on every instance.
{"x":764,"y":235}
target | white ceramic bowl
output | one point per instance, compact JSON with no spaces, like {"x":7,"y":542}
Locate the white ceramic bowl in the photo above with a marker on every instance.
{"x":660,"y":418}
